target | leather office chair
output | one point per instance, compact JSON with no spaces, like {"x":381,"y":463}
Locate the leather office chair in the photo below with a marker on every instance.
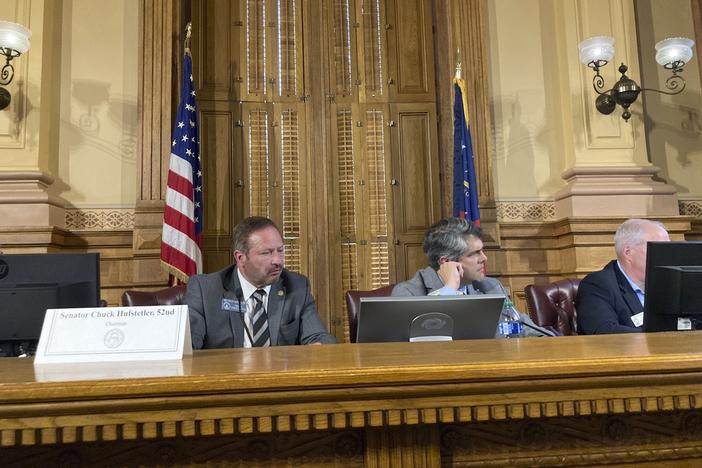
{"x":553,"y":305}
{"x":167,"y":296}
{"x":353,"y":304}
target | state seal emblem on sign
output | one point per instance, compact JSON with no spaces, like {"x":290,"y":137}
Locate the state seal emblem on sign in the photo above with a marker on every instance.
{"x":114,"y":338}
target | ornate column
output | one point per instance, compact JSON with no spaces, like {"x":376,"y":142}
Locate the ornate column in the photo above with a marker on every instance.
{"x":608,"y":172}
{"x":29,"y":126}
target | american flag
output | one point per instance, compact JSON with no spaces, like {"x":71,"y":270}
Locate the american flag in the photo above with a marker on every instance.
{"x":182,"y":217}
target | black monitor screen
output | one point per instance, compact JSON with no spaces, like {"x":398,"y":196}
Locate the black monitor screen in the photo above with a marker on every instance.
{"x":418,"y":318}
{"x":673,"y":286}
{"x":32,"y":283}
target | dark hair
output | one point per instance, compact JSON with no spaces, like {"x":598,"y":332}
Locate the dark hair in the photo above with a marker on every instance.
{"x":448,"y":238}
{"x":246,"y":227}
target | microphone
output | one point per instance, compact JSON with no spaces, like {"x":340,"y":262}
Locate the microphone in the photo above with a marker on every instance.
{"x":240,"y":298}
{"x":543,"y":331}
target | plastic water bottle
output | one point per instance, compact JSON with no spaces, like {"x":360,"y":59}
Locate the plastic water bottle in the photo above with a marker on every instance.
{"x":510,"y":325}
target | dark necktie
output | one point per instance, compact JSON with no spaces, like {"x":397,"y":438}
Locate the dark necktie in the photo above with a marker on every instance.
{"x":259,"y":321}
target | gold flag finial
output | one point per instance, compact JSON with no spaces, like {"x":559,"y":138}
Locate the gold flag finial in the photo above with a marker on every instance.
{"x":458,"y":64}
{"x":188,"y":35}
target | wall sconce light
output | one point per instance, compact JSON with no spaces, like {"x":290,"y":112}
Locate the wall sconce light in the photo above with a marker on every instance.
{"x":14,"y":41}
{"x":595,"y":52}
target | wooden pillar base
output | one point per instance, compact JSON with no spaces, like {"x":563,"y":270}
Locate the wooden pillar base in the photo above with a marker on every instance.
{"x":25,"y":200}
{"x":615,"y":191}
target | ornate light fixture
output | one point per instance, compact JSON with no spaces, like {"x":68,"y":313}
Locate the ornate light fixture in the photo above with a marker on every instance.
{"x":595,"y":52}
{"x":14,"y":41}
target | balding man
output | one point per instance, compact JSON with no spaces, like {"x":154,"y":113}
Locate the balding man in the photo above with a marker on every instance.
{"x":611,"y":300}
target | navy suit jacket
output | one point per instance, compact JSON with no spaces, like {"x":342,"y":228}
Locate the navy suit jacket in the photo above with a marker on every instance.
{"x":606,"y":302}
{"x":292,"y":314}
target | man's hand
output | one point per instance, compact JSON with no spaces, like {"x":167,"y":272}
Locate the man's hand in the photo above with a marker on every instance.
{"x":451,"y":274}
{"x":315,"y":343}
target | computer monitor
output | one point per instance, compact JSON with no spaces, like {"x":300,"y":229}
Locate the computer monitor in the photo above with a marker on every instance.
{"x":32,"y":283}
{"x":424,"y":318}
{"x":673,"y":286}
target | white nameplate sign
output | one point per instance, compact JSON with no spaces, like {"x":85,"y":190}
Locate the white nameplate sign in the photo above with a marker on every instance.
{"x":97,"y":334}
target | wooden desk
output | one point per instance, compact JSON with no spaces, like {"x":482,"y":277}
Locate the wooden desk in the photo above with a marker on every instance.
{"x":538,"y":401}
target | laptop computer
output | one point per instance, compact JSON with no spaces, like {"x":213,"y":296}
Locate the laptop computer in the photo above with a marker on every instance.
{"x":428,"y":318}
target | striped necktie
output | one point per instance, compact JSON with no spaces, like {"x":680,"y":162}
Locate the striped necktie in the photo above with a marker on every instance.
{"x":259,"y":321}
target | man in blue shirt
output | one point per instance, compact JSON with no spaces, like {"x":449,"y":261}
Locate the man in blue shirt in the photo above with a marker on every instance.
{"x":612,"y":300}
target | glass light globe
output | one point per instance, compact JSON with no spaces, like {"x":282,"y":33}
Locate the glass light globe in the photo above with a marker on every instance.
{"x":14,"y":36}
{"x":596,"y":48}
{"x":674,"y":49}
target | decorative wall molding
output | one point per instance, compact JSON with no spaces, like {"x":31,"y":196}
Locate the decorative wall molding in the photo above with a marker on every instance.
{"x":530,"y":210}
{"x":602,"y":439}
{"x":690,"y":208}
{"x":99,"y":219}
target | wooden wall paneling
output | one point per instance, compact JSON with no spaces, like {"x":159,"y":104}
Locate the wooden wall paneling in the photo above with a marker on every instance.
{"x":291,"y":182}
{"x":340,"y":79}
{"x":372,"y":46}
{"x":375,"y":211}
{"x":217,"y":38}
{"x":343,"y":73}
{"x":255,"y":47}
{"x":257,"y":142}
{"x":411,"y":54}
{"x":347,"y":174}
{"x":347,"y":197}
{"x":160,"y":43}
{"x":217,"y":134}
{"x":416,"y":181}
{"x":322,"y":266}
{"x":287,"y":70}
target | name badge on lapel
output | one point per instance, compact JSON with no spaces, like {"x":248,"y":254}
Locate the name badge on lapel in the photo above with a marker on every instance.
{"x":232,"y":305}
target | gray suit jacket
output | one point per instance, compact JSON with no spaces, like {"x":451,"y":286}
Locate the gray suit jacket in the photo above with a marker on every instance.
{"x":427,"y":280}
{"x":292,"y":314}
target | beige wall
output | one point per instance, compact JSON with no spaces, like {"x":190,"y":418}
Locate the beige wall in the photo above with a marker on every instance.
{"x":674,"y":125}
{"x":74,"y":99}
{"x":98,"y":129}
{"x":527,"y":142}
{"x":541,"y":96}
{"x":94,"y":157}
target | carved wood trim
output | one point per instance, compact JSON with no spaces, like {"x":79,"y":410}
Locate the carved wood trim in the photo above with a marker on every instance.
{"x":222,"y":413}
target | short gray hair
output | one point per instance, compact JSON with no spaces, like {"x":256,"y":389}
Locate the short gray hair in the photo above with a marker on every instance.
{"x":632,"y":233}
{"x":448,"y":238}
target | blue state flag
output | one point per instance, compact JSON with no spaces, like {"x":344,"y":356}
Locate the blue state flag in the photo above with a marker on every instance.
{"x":465,"y":188}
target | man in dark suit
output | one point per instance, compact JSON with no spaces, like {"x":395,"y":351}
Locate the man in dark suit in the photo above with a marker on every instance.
{"x":611,"y":300}
{"x":255,"y":302}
